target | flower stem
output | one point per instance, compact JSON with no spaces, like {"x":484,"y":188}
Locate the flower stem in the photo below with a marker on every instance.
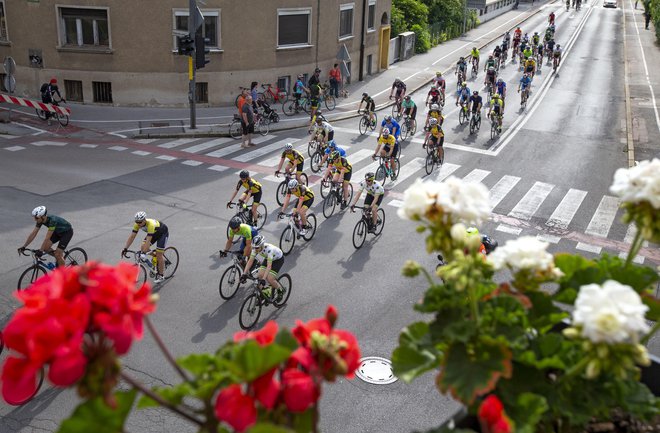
{"x":163,"y":348}
{"x":428,"y":276}
{"x":648,"y":336}
{"x":152,"y":395}
{"x":634,"y":247}
{"x":577,"y":368}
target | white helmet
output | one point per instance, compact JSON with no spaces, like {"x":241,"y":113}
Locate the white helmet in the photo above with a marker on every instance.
{"x":386,"y":132}
{"x":288,"y":146}
{"x":258,"y":241}
{"x":39,"y":211}
{"x":293,"y":184}
{"x":435,"y":107}
{"x":140,"y":216}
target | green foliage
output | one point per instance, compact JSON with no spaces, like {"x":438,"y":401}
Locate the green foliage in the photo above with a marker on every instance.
{"x":398,"y":22}
{"x":263,"y":427}
{"x":422,"y":39}
{"x":95,"y":416}
{"x":416,"y":353}
{"x":413,"y":11}
{"x":528,"y":411}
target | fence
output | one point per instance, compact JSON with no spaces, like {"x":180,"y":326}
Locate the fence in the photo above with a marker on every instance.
{"x":439,"y":32}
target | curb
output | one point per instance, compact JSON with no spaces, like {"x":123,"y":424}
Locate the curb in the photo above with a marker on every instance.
{"x":630,"y":148}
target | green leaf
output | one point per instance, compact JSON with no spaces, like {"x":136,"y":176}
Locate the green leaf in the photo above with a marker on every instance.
{"x":304,"y":422}
{"x":173,"y":395}
{"x":571,"y":263}
{"x":527,"y":412}
{"x":415,"y":354}
{"x":472,"y":371}
{"x":95,"y":416}
{"x":253,"y":360}
{"x":654,"y":307}
{"x":286,"y":339}
{"x":544,"y":314}
{"x":266,"y":427}
{"x":198,"y":363}
{"x":638,"y":277}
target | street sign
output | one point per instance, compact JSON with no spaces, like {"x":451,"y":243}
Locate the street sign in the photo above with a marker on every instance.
{"x":10,"y":83}
{"x":196,"y":19}
{"x":10,"y":66}
{"x":343,"y":54}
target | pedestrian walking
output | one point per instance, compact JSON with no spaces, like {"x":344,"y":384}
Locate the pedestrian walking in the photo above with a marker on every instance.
{"x":247,"y":122}
{"x":647,"y":16}
{"x":335,"y":80}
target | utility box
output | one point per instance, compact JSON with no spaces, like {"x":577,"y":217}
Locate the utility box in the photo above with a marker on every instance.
{"x":407,"y":47}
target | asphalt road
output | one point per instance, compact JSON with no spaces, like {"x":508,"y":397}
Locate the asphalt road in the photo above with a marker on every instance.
{"x":549,"y":175}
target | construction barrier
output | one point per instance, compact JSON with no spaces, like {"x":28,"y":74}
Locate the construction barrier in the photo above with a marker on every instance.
{"x":34,"y":104}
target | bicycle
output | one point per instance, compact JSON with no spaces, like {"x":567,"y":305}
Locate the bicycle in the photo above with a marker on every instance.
{"x":317,"y":158}
{"x":292,"y":231}
{"x":231,"y":277}
{"x":494,"y":126}
{"x":261,"y":125}
{"x":366,"y":225}
{"x":475,"y":123}
{"x":335,"y":195}
{"x":63,"y":119}
{"x":539,"y":61}
{"x":463,"y":114}
{"x":292,"y":106}
{"x":269,"y":96}
{"x":328,"y":100}
{"x":283,"y":187}
{"x":148,"y":268}
{"x":408,"y":127}
{"x":396,"y":108}
{"x":384,"y":170}
{"x":251,"y":308}
{"x":524,"y":96}
{"x":461,"y":79}
{"x":367,"y":122}
{"x":555,"y":63}
{"x":475,"y":72}
{"x":40,"y":266}
{"x":244,"y":212}
{"x":436,"y":156}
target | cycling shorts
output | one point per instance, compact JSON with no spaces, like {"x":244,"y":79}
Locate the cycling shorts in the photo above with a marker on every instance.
{"x":386,"y":148}
{"x":371,"y":107}
{"x":299,"y":166}
{"x":314,"y":102}
{"x":256,"y":197}
{"x":61,"y":239}
{"x":275,"y":267}
{"x":437,"y":141}
{"x":347,"y":175}
{"x":369,"y":199}
{"x":308,"y":203}
{"x":529,"y":69}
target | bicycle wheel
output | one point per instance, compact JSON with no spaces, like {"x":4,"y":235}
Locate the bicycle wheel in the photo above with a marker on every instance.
{"x":171,"y":258}
{"x":363,"y":126}
{"x":287,"y":240}
{"x":359,"y":234}
{"x":281,"y":192}
{"x":330,"y":102}
{"x":30,"y":275}
{"x":395,"y":111}
{"x":235,"y":129}
{"x":311,"y":227}
{"x":21,"y":400}
{"x":229,"y":282}
{"x":303,"y":178}
{"x":428,"y":164}
{"x":41,"y":114}
{"x":311,"y":148}
{"x":412,"y":127}
{"x":250,"y":312}
{"x":441,"y":100}
{"x":289,"y":107}
{"x":473,"y":125}
{"x":141,"y":277}
{"x":375,"y":121}
{"x":329,"y":204}
{"x":395,"y":171}
{"x":381,"y":221}
{"x":381,"y":174}
{"x":75,"y":256}
{"x":404,"y":131}
{"x":285,"y":282}
{"x":461,"y":116}
{"x":262,"y":126}
{"x":315,"y":163}
{"x":262,"y":214}
{"x":307,"y":106}
{"x":325,"y":188}
{"x":63,"y":119}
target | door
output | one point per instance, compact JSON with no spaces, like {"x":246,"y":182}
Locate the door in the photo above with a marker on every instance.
{"x":384,"y":47}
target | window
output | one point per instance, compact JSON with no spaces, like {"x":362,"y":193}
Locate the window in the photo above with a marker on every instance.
{"x":102,"y":91}
{"x":371,"y":16}
{"x":369,"y":61}
{"x":346,"y":20}
{"x":293,"y":27}
{"x":210,"y":28}
{"x":84,"y":27}
{"x":201,"y":92}
{"x":3,"y":22}
{"x":73,"y":90}
{"x":284,"y":83}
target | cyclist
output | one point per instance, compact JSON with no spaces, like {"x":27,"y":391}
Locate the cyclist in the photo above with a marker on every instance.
{"x":530,"y":66}
{"x":528,"y":53}
{"x":390,"y":147}
{"x":506,"y":39}
{"x":370,"y":106}
{"x":156,"y":233}
{"x":549,"y":48}
{"x":312,"y":124}
{"x":325,"y":130}
{"x":525,"y":84}
{"x":463,"y":94}
{"x":344,"y":171}
{"x":461,"y":69}
{"x":296,"y":159}
{"x":490,"y":63}
{"x":497,"y":55}
{"x":496,"y":109}
{"x":505,"y":48}
{"x":433,"y":95}
{"x":434,"y":113}
{"x":246,"y":232}
{"x":475,"y":103}
{"x":48,"y":90}
{"x":436,"y":136}
{"x":393,"y":126}
{"x":491,"y":75}
{"x":298,"y":89}
{"x":475,"y":58}
{"x":551,"y":18}
{"x":539,"y":55}
{"x":375,"y":194}
{"x":525,"y":38}
{"x":472,"y":231}
{"x":270,"y":259}
{"x":59,"y":232}
{"x":409,"y":107}
{"x":252,"y":189}
{"x":536,"y":38}
{"x":517,"y":34}
{"x":557,"y":55}
{"x":400,"y":87}
{"x":328,"y":150}
{"x":305,"y":200}
{"x":315,"y":91}
{"x":500,"y":88}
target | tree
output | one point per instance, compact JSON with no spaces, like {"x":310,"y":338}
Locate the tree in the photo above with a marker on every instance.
{"x":407,"y":13}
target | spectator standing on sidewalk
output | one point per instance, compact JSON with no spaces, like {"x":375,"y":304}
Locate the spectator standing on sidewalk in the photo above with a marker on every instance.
{"x":335,"y":80}
{"x":241,"y":101}
{"x":254,"y":94}
{"x":314,"y":79}
{"x":247,"y":122}
{"x":647,"y":16}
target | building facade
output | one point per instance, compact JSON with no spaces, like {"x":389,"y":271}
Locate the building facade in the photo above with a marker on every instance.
{"x":124,"y":52}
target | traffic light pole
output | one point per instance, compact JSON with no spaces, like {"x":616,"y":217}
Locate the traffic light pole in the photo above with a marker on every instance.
{"x":191,"y":92}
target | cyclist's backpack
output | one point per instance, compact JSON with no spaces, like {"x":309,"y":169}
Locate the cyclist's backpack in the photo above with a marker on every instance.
{"x":44,"y":90}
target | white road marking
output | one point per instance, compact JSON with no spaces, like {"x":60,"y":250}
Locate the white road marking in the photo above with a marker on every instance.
{"x":406,"y":171}
{"x":225,"y":151}
{"x":218,"y":168}
{"x":588,"y":247}
{"x":476,"y":175}
{"x":396,"y":203}
{"x":192,"y":163}
{"x":603,"y":217}
{"x":507,"y":229}
{"x":359,"y":156}
{"x":118,"y":148}
{"x":166,"y":157}
{"x":49,"y":143}
{"x":548,"y":238}
{"x":89,"y":146}
{"x":564,"y":213}
{"x":638,"y":259}
{"x":178,"y":142}
{"x":14,"y":148}
{"x":8,"y":136}
{"x":530,"y":203}
{"x":141,"y":153}
{"x":261,"y":151}
{"x":501,"y":189}
{"x":146,"y":140}
{"x":445,"y":171}
{"x":207,"y":145}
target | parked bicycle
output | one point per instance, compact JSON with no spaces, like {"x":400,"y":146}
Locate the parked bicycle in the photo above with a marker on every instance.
{"x":386,"y":170}
{"x":367,"y":122}
{"x":283,"y":187}
{"x":326,"y":98}
{"x":408,"y":127}
{"x":334,"y":196}
{"x":272,"y":94}
{"x":263,"y":295}
{"x":261,"y":125}
{"x":366,"y":225}
{"x":40,"y":265}
{"x":292,"y":230}
{"x":147,"y":263}
{"x":292,"y":106}
{"x":231,"y":277}
{"x":63,"y":119}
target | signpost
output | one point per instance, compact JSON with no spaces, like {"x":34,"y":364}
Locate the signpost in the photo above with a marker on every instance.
{"x":10,"y":82}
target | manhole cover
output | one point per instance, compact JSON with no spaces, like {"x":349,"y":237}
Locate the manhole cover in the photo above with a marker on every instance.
{"x":376,"y":370}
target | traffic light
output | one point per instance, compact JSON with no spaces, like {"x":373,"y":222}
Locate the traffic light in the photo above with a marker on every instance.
{"x":201,"y":50}
{"x":186,"y":45}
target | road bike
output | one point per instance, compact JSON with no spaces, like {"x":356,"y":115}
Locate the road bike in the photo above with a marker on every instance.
{"x":475,"y":72}
{"x":555,"y":63}
{"x":283,"y":187}
{"x":244,"y":212}
{"x":313,"y":145}
{"x":334,"y":196}
{"x":327,"y":100}
{"x":292,"y":230}
{"x":539,"y":61}
{"x":263,"y":295}
{"x":292,"y":106}
{"x":475,"y":123}
{"x":269,"y":95}
{"x":396,"y":108}
{"x":317,"y":158}
{"x":147,"y":267}
{"x":385,"y":170}
{"x":63,"y":119}
{"x":408,"y":127}
{"x":367,"y":122}
{"x":461,"y":79}
{"x":40,"y":266}
{"x":366,"y":225}
{"x":489,"y":91}
{"x":524,"y":96}
{"x":27,"y":398}
{"x":463,"y":114}
{"x":231,"y":277}
{"x":261,"y":125}
{"x":494,"y":126}
{"x":436,"y":156}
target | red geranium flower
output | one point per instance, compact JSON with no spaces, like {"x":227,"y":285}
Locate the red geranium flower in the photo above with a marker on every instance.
{"x":491,"y":410}
{"x":19,"y":379}
{"x":502,"y":425}
{"x":350,"y":353}
{"x":299,"y":390}
{"x":235,"y":408}
{"x":264,"y":336}
{"x":267,"y":389}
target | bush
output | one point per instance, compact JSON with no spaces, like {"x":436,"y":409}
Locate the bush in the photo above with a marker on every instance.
{"x":398,"y":22}
{"x":422,"y":39}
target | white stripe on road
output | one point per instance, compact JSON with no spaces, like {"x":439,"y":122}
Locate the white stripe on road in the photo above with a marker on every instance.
{"x":406,"y":171}
{"x":166,"y":157}
{"x":48,"y":143}
{"x":638,"y":259}
{"x":476,"y":175}
{"x":118,"y":148}
{"x":501,"y":189}
{"x":146,"y":140}
{"x":445,"y":171}
{"x":564,"y":213}
{"x":359,"y":156}
{"x":8,"y":136}
{"x":548,"y":238}
{"x":140,"y":153}
{"x":207,"y":145}
{"x":225,"y":151}
{"x":588,"y":247}
{"x":261,"y":151}
{"x":89,"y":146}
{"x":257,"y":139}
{"x":192,"y":163}
{"x":396,"y":203}
{"x":14,"y":148}
{"x":530,"y":203}
{"x":218,"y":167}
{"x":175,"y":143}
{"x":507,"y":229}
{"x":604,"y":217}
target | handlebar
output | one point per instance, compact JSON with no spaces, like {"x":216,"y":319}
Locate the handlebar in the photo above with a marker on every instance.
{"x":231,"y":204}
{"x":125,"y":253}
{"x":31,"y":251}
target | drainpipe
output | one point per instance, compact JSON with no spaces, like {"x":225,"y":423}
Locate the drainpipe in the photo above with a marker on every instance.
{"x":362,"y":37}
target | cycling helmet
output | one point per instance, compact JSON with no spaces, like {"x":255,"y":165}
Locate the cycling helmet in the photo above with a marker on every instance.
{"x":319,"y":119}
{"x":334,"y":155}
{"x":387,"y":118}
{"x":397,"y":79}
{"x":464,"y":84}
{"x":140,"y":216}
{"x":474,"y":48}
{"x":332,"y":144}
{"x":434,"y":87}
{"x":433,"y":121}
{"x":435,"y":107}
{"x":369,"y":176}
{"x":499,"y":80}
{"x":317,"y":70}
{"x":39,"y":211}
{"x":258,"y":241}
{"x":558,"y":46}
{"x":407,"y":98}
{"x":462,"y":58}
{"x":244,"y":174}
{"x":293,"y":184}
{"x":438,"y":73}
{"x":365,"y":94}
{"x":300,"y":76}
{"x":234,"y":223}
{"x":490,"y":57}
{"x":475,"y":93}
{"x":288,"y":147}
{"x":386,"y":132}
{"x":536,"y":33}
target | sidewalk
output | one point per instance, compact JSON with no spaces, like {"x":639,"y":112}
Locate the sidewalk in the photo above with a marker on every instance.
{"x":173,"y":122}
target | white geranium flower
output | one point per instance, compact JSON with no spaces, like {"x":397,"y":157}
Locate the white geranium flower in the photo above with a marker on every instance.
{"x":639,"y":183}
{"x":458,"y":232}
{"x":466,"y":201}
{"x":611,"y":313}
{"x":416,"y":200}
{"x":526,"y":252}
